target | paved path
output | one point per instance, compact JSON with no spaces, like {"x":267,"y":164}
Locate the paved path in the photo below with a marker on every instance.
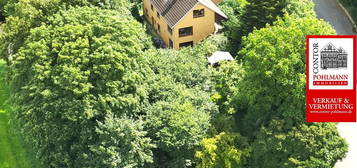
{"x":330,"y":11}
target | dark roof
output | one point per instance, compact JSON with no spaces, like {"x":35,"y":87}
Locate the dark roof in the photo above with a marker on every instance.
{"x":174,"y":10}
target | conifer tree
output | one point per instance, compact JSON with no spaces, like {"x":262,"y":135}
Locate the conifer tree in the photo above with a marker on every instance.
{"x":260,"y":12}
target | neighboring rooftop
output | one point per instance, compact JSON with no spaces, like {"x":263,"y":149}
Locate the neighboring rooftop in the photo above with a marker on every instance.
{"x":174,"y":10}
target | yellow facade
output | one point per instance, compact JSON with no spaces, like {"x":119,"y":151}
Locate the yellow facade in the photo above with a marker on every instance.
{"x":202,"y":26}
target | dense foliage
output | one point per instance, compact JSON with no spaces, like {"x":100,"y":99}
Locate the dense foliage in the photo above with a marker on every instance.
{"x":245,"y":16}
{"x":299,"y":8}
{"x":71,"y":74}
{"x":177,"y":127}
{"x":266,"y":87}
{"x":277,"y":87}
{"x":223,"y":150}
{"x":122,"y":142}
{"x":179,"y":114}
{"x":78,"y":76}
{"x":23,"y":15}
{"x":258,"y":13}
{"x":89,"y":90}
{"x":233,"y":9}
{"x":278,"y":147}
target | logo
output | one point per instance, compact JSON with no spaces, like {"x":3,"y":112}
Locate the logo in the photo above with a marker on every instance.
{"x":330,"y":66}
{"x":333,"y":58}
{"x":331,"y":78}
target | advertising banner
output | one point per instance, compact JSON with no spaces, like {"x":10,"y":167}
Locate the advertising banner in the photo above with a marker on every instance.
{"x":331,"y":78}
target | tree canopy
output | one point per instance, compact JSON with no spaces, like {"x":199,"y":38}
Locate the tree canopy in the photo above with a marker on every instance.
{"x":89,"y":90}
{"x":73,"y":72}
{"x":278,"y":147}
{"x":122,"y":143}
{"x":245,"y":16}
{"x":223,"y":150}
{"x":179,"y":112}
{"x":24,"y":15}
{"x":263,"y":99}
{"x":277,"y":87}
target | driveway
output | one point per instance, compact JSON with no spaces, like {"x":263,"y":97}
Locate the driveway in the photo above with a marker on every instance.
{"x":330,"y":11}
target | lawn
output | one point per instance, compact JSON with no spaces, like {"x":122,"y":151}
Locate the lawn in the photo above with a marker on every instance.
{"x":12,"y":150}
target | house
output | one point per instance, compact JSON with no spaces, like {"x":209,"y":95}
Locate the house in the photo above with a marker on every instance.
{"x":331,"y":57}
{"x":182,"y":23}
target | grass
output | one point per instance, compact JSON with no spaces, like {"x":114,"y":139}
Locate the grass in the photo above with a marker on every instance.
{"x":13,"y":153}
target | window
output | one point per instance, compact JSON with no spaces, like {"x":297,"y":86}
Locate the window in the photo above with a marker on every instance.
{"x":158,"y":27}
{"x":186,"y":44}
{"x":198,"y":13}
{"x":169,"y":29}
{"x":187,"y":31}
{"x":146,"y":12}
{"x":153,"y":21}
{"x":152,"y":7}
{"x":171,"y":43}
{"x":158,"y":15}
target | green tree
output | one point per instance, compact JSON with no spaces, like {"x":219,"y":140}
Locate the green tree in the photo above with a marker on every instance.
{"x":299,"y":8}
{"x":243,"y":19}
{"x":258,"y":13}
{"x":225,"y":81}
{"x":179,"y":110}
{"x":231,"y":27}
{"x":312,"y":145}
{"x":177,"y":125}
{"x":189,"y":65}
{"x":274,"y":61}
{"x":70,"y":74}
{"x":223,"y":151}
{"x":183,"y":66}
{"x":3,"y":3}
{"x":122,"y":143}
{"x":24,"y":15}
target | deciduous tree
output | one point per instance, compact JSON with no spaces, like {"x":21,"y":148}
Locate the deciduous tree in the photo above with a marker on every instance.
{"x":122,"y":142}
{"x":24,"y":15}
{"x":274,"y":61}
{"x":305,"y":145}
{"x":71,"y":73}
{"x":226,"y":150}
